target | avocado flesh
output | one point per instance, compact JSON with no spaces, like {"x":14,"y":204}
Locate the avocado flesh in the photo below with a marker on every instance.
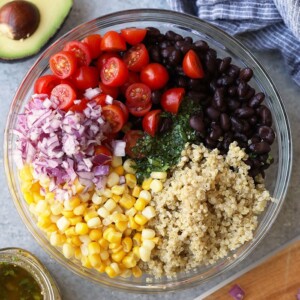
{"x":52,"y":16}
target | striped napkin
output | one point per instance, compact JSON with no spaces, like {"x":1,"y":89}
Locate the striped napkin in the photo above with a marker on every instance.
{"x":260,"y":24}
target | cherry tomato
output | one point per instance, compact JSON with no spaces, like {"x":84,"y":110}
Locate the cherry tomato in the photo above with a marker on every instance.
{"x":133,"y":77}
{"x":138,"y":94}
{"x":113,"y":41}
{"x":131,"y":137}
{"x":123,"y":107}
{"x":171,"y":99}
{"x":81,"y":106}
{"x":86,"y":77}
{"x":102,"y":150}
{"x":133,"y":36}
{"x":93,"y":41}
{"x":151,"y":121}
{"x":81,"y":50}
{"x":65,"y":95}
{"x":45,"y":84}
{"x":63,"y":64}
{"x":111,"y":91}
{"x":100,"y":99}
{"x":114,"y":115}
{"x":136,"y":58}
{"x":139,"y":111}
{"x":192,"y":66}
{"x":104,"y":57}
{"x":155,"y":76}
{"x":114,"y":72}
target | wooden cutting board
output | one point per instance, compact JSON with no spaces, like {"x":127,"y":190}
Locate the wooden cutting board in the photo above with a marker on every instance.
{"x":276,"y":277}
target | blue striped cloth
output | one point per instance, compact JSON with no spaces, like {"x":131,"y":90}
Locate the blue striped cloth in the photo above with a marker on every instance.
{"x":261,"y":25}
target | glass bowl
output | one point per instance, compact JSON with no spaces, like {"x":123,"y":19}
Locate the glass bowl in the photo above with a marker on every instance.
{"x":34,"y":267}
{"x":278,"y":174}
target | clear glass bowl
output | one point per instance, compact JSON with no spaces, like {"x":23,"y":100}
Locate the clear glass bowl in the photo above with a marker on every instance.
{"x":278,"y":174}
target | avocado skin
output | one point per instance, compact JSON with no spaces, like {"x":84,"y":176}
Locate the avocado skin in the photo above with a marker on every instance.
{"x":43,"y":46}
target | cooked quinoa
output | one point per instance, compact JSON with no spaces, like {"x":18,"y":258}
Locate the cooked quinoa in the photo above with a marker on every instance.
{"x":208,"y":207}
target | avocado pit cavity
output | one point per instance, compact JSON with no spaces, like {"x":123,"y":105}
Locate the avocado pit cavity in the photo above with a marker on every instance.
{"x":19,"y":19}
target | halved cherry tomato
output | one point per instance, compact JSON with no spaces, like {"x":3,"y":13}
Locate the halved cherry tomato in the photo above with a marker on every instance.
{"x":155,"y":76}
{"x":63,"y":64}
{"x":133,"y":36}
{"x":86,"y":77}
{"x":114,"y":72}
{"x":114,"y":115}
{"x":137,"y":95}
{"x":45,"y":84}
{"x":123,"y":107}
{"x":171,"y":99}
{"x":104,"y":57}
{"x":65,"y":95}
{"x":131,"y":137}
{"x":111,"y":91}
{"x":81,"y":51}
{"x":192,"y":66}
{"x":136,"y":58}
{"x":102,"y":150}
{"x":139,"y":111}
{"x":93,"y":41}
{"x":81,"y":106}
{"x":100,"y":99}
{"x":151,"y":121}
{"x":133,"y":77}
{"x":113,"y":41}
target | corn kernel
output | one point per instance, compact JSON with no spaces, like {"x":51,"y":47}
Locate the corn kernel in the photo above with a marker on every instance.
{"x":136,"y":272}
{"x":127,"y":232}
{"x":90,"y":214}
{"x":136,"y":252}
{"x":26,"y":173}
{"x":129,"y":166}
{"x":137,"y":239}
{"x":126,"y":273}
{"x":79,"y":187}
{"x":136,"y":191}
{"x":103,"y":212}
{"x":70,"y":231}
{"x":130,"y":212}
{"x":118,"y":209}
{"x":52,"y":228}
{"x":37,"y":197}
{"x":67,"y":214}
{"x":110,"y":272}
{"x":115,"y":247}
{"x":57,"y":239}
{"x":130,"y":180}
{"x":78,"y":254}
{"x":148,"y":234}
{"x":94,"y":222}
{"x":81,"y":228}
{"x":107,"y":193}
{"x":122,"y":226}
{"x":117,"y":257}
{"x":140,"y":204}
{"x":110,"y":204}
{"x":104,"y":255}
{"x":50,"y":197}
{"x":127,"y":244}
{"x":93,"y":248}
{"x":68,"y":250}
{"x":75,"y":201}
{"x":146,"y":184}
{"x":127,"y":201}
{"x":107,"y":221}
{"x":84,"y":249}
{"x":63,"y":223}
{"x":112,"y":179}
{"x":75,"y":220}
{"x":145,"y":254}
{"x":101,"y":269}
{"x":118,"y":217}
{"x":84,"y":197}
{"x":114,"y":237}
{"x":96,"y":199}
{"x":119,"y":170}
{"x":118,"y":189}
{"x":149,"y":212}
{"x":128,"y":261}
{"x":158,"y":175}
{"x":76,"y":241}
{"x":95,"y":234}
{"x":156,"y":186}
{"x":28,"y":196}
{"x":132,"y":223}
{"x":116,"y":161}
{"x":26,"y":186}
{"x":116,"y":198}
{"x":84,"y":238}
{"x":86,"y":262}
{"x":95,"y":260}
{"x":148,"y":244}
{"x":103,"y":243}
{"x":79,"y":210}
{"x":140,"y":219}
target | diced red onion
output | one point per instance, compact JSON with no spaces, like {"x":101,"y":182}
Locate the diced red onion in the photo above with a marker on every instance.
{"x":91,"y":93}
{"x":47,"y":103}
{"x":122,"y":180}
{"x":236,"y":292}
{"x":101,"y":170}
{"x":109,"y":99}
{"x":119,"y":147}
{"x":76,"y":102}
{"x":101,"y":159}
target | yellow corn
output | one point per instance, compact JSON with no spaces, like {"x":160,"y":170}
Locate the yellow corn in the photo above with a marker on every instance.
{"x":115,"y":247}
{"x":148,"y":234}
{"x":86,"y":262}
{"x":104,"y":255}
{"x":118,"y":217}
{"x":156,"y":186}
{"x":90,"y":214}
{"x":136,"y":272}
{"x":26,"y":173}
{"x":129,"y":166}
{"x":146,"y":184}
{"x":67,"y":214}
{"x":137,"y":239}
{"x":149,"y":212}
{"x":70,"y":231}
{"x":127,"y":232}
{"x":50,"y":197}
{"x":78,"y":254}
{"x":145,"y":254}
{"x":145,"y":195}
{"x":116,"y":198}
{"x":75,"y":220}
{"x":68,"y":250}
{"x":122,"y":226}
{"x":128,"y":261}
{"x":57,"y":239}
{"x":114,"y":237}
{"x":94,"y":222}
{"x":101,"y":269}
{"x":136,"y":252}
{"x":95,"y":234}
{"x":136,"y":191}
{"x":28,"y":196}
{"x":130,"y":212}
{"x":110,"y":272}
{"x":110,"y":204}
{"x":127,"y":244}
{"x":117,"y":257}
{"x":103,"y":212}
{"x":140,"y":204}
{"x":103,"y":243}
{"x":130,"y":180}
{"x":75,"y":201}
{"x":126,"y":273}
{"x":140,"y":219}
{"x":119,"y":170}
{"x":116,"y":161}
{"x":107,"y":231}
{"x":63,"y":223}
{"x":79,"y":210}
{"x":132,"y":223}
{"x":127,"y":201}
{"x":95,"y":260}
{"x":158,"y":175}
{"x":93,"y":248}
{"x":76,"y":241}
{"x":81,"y":228}
{"x":112,"y":179}
{"x":118,"y":189}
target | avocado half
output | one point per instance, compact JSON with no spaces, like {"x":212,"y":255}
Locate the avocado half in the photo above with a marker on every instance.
{"x":52,"y":15}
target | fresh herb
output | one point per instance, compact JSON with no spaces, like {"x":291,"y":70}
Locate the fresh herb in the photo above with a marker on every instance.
{"x":163,"y":151}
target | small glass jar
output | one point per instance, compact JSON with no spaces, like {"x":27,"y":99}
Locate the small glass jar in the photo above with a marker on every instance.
{"x":34,"y":267}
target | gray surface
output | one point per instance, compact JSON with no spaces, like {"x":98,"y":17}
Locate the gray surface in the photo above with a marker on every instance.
{"x":13,"y":231}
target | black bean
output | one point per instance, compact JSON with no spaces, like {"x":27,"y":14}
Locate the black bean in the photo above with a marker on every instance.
{"x":166,"y":52}
{"x":216,"y":132}
{"x":246,"y":74}
{"x":185,"y":48}
{"x":256,"y":100}
{"x":266,"y":116}
{"x":212,"y":113}
{"x":179,"y":70}
{"x":236,"y":124}
{"x":182,"y":81}
{"x":210,"y":143}
{"x":201,"y":45}
{"x":211,"y":60}
{"x":233,"y":71}
{"x":155,"y":97}
{"x":225,"y":63}
{"x":152,"y":31}
{"x":213,"y":85}
{"x":232,"y":90}
{"x":244,"y":112}
{"x":154,"y":54}
{"x":218,"y":98}
{"x":164,"y":125}
{"x":253,"y":120}
{"x":197,"y":96}
{"x":228,"y":139}
{"x":196,"y":85}
{"x":254,"y":172}
{"x":188,"y":40}
{"x":240,"y":137}
{"x":267,"y":134}
{"x":225,"y":122}
{"x":242,"y":89}
{"x":196,"y":122}
{"x":225,"y":80}
{"x":233,"y":104}
{"x":260,"y":148}
{"x":171,"y":35}
{"x":165,"y":44}
{"x":175,"y":57}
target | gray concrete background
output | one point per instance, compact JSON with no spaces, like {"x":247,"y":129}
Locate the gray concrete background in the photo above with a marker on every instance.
{"x":14,"y":233}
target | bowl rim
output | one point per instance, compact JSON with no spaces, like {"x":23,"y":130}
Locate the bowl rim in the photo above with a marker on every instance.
{"x":197,"y":279}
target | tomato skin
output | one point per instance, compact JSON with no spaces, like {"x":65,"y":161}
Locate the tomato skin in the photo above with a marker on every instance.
{"x":171,"y":99}
{"x":100,"y":149}
{"x":104,"y":57}
{"x":81,"y":51}
{"x":155,"y":76}
{"x":136,"y":58}
{"x":192,"y":66}
{"x":114,"y":115}
{"x":137,"y":95}
{"x":86,"y":77}
{"x":131,"y":137}
{"x":65,"y":95}
{"x":45,"y":84}
{"x":124,"y":109}
{"x":80,"y":106}
{"x":112,"y":41}
{"x":93,"y":41}
{"x":133,"y":36}
{"x":133,"y":77}
{"x":100,"y":99}
{"x":111,"y":91}
{"x":63,"y":64}
{"x":114,"y":72}
{"x":151,"y":121}
{"x":139,"y":111}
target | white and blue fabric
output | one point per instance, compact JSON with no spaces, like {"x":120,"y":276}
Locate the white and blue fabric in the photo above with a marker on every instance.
{"x":260,"y":24}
